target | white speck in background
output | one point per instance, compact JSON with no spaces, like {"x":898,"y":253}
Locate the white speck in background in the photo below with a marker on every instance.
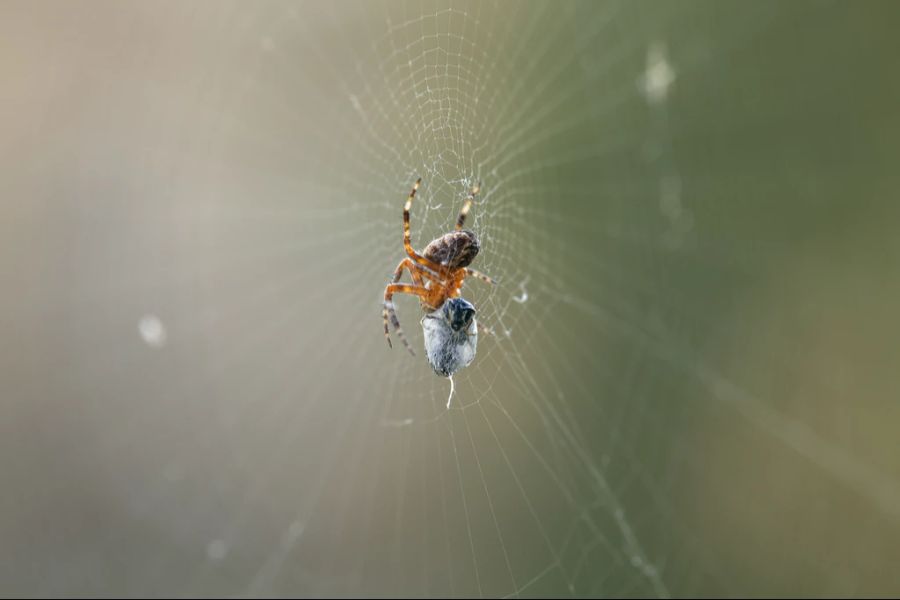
{"x":216,"y":550}
{"x":670,"y":197}
{"x":658,"y":75}
{"x":173,"y":472}
{"x":293,"y":533}
{"x":152,"y":331}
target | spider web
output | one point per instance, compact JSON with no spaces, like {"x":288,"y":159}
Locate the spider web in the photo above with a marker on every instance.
{"x":532,"y":483}
{"x":259,"y":438}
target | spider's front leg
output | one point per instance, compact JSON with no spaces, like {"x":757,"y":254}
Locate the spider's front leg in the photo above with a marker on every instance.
{"x":388,"y":311}
{"x":481,"y":276}
{"x":427,"y":265}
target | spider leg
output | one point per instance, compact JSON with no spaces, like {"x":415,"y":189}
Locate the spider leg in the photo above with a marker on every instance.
{"x":421,"y":260}
{"x":413,"y":272}
{"x":481,"y":276}
{"x":388,"y":311}
{"x":417,"y":272}
{"x":461,"y":219}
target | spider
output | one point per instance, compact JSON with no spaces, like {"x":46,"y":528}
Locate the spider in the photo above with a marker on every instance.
{"x":438,"y":272}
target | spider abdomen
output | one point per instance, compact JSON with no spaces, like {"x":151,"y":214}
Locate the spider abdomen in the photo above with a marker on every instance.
{"x":456,"y":249}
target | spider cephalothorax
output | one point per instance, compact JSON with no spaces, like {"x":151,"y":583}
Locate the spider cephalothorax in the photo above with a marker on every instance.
{"x":438,"y":273}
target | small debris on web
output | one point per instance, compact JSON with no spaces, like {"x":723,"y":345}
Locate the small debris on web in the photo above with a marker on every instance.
{"x":452,"y":389}
{"x":523,"y":297}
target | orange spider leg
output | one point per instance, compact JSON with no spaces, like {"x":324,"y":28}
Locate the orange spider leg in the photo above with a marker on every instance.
{"x":417,"y":272}
{"x":461,"y":219}
{"x":413,"y":272}
{"x":423,"y":271}
{"x":398,"y":273}
{"x":481,"y":276}
{"x":421,"y":260}
{"x":389,"y":291}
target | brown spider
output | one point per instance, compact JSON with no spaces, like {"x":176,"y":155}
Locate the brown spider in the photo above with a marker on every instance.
{"x":438,"y":272}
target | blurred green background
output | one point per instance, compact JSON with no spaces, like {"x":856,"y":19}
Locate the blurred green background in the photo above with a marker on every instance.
{"x":692,"y":388}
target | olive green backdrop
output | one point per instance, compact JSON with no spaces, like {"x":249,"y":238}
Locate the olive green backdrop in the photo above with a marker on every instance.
{"x":692,"y":386}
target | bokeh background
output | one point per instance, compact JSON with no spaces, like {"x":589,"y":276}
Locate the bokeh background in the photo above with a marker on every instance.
{"x":692,"y":386}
